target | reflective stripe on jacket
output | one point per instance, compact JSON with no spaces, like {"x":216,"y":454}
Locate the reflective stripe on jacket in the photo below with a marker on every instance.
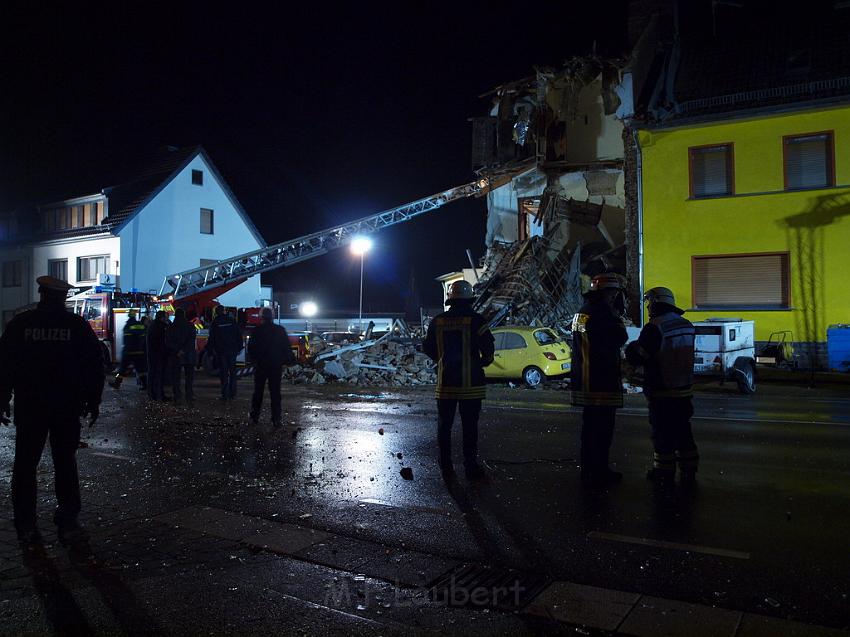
{"x":461,"y":344}
{"x":597,"y":337}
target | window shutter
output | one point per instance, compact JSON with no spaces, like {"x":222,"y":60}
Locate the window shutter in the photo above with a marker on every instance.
{"x":710,"y":171}
{"x":807,"y":161}
{"x":741,"y":281}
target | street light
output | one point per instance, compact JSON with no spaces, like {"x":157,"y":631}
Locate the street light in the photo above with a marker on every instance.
{"x":360,"y":246}
{"x":308,"y":309}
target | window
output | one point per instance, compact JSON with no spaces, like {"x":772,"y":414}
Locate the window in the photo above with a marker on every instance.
{"x":89,"y":267}
{"x":511,"y":340}
{"x":12,"y":274}
{"x":198,"y":177}
{"x":206,"y":221}
{"x":546,"y":337}
{"x":79,"y":216}
{"x":809,"y":161}
{"x":746,"y":281}
{"x":712,"y":171}
{"x":58,"y":268}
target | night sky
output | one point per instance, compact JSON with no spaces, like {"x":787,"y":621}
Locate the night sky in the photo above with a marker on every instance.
{"x":314,"y":116}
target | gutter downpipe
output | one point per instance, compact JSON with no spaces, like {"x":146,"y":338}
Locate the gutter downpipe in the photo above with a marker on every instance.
{"x":639,"y":184}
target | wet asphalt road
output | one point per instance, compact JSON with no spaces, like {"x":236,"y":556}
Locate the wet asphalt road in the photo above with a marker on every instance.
{"x":766,"y":530}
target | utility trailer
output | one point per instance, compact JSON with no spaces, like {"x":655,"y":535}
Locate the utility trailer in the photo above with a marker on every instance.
{"x":726,"y":348}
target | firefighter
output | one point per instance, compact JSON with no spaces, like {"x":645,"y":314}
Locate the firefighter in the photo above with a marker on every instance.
{"x":665,"y":350}
{"x":269,"y":350}
{"x":598,"y":335}
{"x":133,"y":353}
{"x":157,"y":356}
{"x":461,"y":344}
{"x":52,"y":362}
{"x":180,"y":343}
{"x":225,"y":342}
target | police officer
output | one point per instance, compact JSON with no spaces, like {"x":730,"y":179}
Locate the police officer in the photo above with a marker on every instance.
{"x":51,"y":360}
{"x":461,"y":344}
{"x":269,"y":350}
{"x":665,"y":349}
{"x":225,"y":342}
{"x":596,"y":385}
{"x":157,"y":356}
{"x":133,"y":353}
{"x":180,"y":343}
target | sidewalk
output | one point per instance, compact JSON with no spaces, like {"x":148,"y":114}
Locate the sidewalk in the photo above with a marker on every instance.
{"x":200,"y":569}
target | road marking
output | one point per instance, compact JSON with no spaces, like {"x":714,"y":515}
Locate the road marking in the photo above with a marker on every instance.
{"x":110,"y":455}
{"x":690,"y":548}
{"x":645,"y":412}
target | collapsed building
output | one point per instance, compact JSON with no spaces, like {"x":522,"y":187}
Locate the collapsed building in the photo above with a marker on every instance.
{"x":562,"y":217}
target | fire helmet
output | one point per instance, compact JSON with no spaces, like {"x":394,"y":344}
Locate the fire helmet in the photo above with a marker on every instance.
{"x":660,"y":295}
{"x":460,"y":290}
{"x":607,"y":281}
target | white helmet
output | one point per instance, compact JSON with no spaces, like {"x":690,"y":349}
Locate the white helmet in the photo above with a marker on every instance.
{"x":460,"y":290}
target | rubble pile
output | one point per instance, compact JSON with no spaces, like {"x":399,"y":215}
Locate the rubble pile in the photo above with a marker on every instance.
{"x":372,"y":363}
{"x":525,"y":286}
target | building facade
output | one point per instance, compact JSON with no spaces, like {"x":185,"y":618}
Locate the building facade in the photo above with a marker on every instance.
{"x":750,"y":217}
{"x":174,"y":214}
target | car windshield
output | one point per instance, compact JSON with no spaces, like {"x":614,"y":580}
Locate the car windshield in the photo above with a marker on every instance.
{"x":546,"y":337}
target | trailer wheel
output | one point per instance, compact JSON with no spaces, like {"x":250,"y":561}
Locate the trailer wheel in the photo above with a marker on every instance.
{"x":745,"y":376}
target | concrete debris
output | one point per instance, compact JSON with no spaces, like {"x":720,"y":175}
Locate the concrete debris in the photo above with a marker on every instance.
{"x":378,"y":362}
{"x":407,"y":473}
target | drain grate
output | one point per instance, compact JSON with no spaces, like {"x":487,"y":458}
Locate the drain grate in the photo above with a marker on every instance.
{"x":475,"y":586}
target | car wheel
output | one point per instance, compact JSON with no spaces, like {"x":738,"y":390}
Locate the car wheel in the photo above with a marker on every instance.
{"x":533,"y":376}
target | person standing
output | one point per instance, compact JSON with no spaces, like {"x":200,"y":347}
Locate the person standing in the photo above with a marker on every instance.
{"x":52,"y":362}
{"x":596,"y":384}
{"x":133,"y":353}
{"x":461,"y":344}
{"x":665,"y":350}
{"x":180,"y":342}
{"x":157,"y":356}
{"x":225,"y":342}
{"x":269,"y":350}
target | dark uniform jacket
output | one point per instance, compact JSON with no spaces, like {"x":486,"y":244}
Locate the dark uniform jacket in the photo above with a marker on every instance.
{"x":180,"y":340}
{"x":461,"y":344}
{"x":225,"y":336}
{"x":269,"y":346}
{"x":134,"y":337}
{"x":665,"y":349}
{"x":156,"y":341}
{"x":598,"y":335}
{"x":51,"y":360}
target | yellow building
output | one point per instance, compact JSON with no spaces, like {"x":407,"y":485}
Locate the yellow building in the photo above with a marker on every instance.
{"x":748,"y":215}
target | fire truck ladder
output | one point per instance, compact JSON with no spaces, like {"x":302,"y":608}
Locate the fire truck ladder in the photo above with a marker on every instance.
{"x":229,"y":271}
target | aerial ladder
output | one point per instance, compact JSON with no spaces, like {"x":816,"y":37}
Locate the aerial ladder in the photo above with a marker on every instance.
{"x":201,"y":284}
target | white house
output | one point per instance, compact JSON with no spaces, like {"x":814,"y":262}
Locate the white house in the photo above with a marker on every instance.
{"x":176,"y":213}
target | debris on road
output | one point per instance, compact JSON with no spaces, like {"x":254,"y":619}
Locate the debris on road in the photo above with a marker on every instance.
{"x":406,"y":473}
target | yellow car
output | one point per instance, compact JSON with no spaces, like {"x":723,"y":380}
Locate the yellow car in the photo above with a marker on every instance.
{"x":530,"y":353}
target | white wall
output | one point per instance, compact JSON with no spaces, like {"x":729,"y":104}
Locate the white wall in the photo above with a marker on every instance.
{"x":165,"y":236}
{"x":13,"y":298}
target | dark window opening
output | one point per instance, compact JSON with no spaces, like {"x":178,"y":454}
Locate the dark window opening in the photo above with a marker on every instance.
{"x":206,"y":221}
{"x":198,"y":177}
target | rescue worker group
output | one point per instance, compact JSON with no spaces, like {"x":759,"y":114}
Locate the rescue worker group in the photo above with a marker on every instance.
{"x":51,"y":362}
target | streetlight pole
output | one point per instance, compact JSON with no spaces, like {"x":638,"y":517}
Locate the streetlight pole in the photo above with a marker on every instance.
{"x":360,"y":246}
{"x":362,"y":255}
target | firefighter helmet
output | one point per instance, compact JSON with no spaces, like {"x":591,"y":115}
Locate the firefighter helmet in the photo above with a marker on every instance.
{"x":460,"y":290}
{"x":607,"y":281}
{"x":660,"y":295}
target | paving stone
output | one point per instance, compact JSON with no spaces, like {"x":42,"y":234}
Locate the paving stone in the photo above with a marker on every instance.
{"x":286,"y":539}
{"x":341,"y":552}
{"x":761,"y":626}
{"x":408,"y":568}
{"x":217,"y":522}
{"x":585,"y":605}
{"x":653,"y":616}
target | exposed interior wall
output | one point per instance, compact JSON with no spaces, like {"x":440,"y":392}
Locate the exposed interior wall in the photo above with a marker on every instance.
{"x":591,"y":134}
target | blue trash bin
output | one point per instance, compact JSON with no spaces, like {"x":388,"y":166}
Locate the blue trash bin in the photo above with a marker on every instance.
{"x":838,"y":347}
